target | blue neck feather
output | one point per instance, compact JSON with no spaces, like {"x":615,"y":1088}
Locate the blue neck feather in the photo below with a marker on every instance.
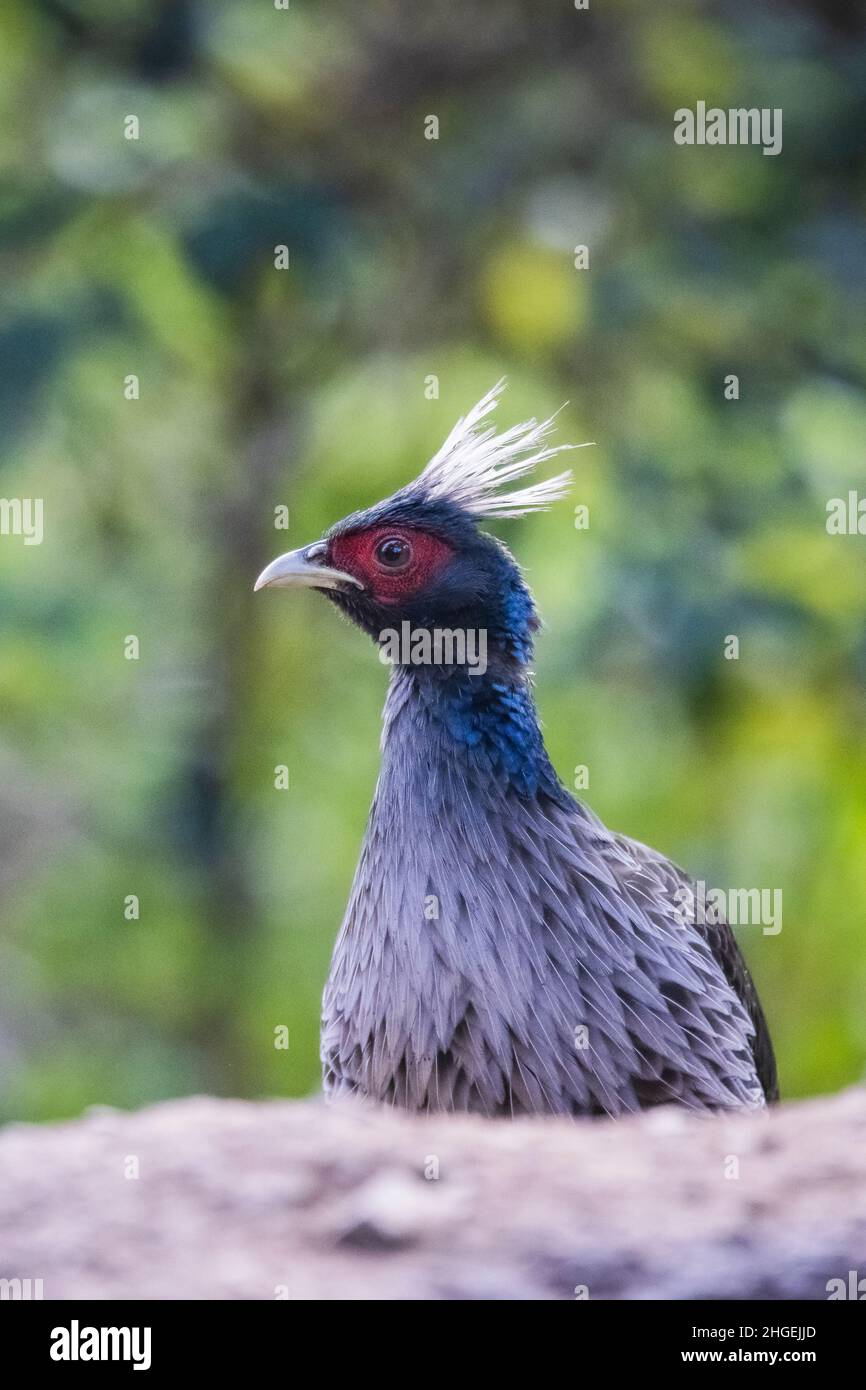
{"x":495,"y":723}
{"x":489,"y":720}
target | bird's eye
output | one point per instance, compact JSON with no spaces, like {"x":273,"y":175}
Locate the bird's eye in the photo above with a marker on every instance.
{"x":394,"y":553}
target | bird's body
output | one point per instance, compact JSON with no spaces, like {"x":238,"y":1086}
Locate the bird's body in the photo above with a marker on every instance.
{"x":502,"y":951}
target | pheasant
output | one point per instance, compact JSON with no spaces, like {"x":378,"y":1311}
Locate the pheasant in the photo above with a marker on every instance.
{"x":502,"y":951}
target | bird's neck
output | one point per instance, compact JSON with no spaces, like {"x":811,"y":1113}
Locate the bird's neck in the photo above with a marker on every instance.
{"x":487,"y":725}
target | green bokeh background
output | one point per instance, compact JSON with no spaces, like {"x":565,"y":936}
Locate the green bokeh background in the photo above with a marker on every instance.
{"x":306,"y":388}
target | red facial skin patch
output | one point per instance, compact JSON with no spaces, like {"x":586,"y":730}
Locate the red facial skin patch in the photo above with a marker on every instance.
{"x":355,"y":552}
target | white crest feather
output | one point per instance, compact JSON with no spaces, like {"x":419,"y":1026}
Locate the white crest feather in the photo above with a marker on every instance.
{"x":473,"y":464}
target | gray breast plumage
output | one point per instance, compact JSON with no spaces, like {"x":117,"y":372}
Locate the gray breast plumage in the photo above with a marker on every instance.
{"x":506,"y":954}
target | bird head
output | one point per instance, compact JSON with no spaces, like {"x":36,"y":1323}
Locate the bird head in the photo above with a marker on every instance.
{"x":419,"y":557}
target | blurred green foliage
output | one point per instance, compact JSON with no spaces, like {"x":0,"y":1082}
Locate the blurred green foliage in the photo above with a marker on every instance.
{"x":259,"y":387}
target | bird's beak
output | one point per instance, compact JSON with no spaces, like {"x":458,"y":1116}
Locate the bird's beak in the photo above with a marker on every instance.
{"x":301,"y":569}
